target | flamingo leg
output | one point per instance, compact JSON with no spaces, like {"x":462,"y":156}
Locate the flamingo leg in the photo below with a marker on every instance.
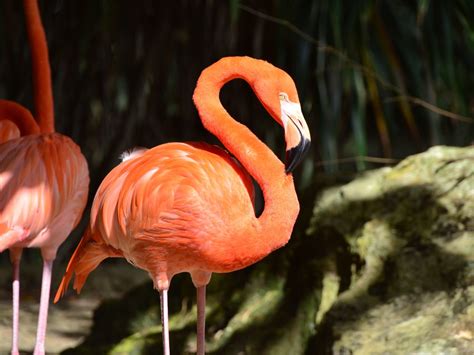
{"x":15,"y":256}
{"x":16,"y":306}
{"x":44,"y":303}
{"x":164,"y":321}
{"x":201,"y":320}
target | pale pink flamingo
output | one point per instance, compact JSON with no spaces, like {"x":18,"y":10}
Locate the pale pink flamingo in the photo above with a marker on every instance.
{"x":188,"y":207}
{"x":44,"y":178}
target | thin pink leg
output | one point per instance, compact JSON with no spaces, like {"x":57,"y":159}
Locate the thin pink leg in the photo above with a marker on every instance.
{"x":164,"y":321}
{"x":44,"y":303}
{"x":16,"y":306}
{"x":201,"y":320}
{"x":15,"y":256}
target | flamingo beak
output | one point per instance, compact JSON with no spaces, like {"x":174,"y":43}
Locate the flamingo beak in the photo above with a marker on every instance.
{"x":297,"y":136}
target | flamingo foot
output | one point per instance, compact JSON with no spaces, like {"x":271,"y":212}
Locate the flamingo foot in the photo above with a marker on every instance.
{"x":164,"y":321}
{"x":43,"y":312}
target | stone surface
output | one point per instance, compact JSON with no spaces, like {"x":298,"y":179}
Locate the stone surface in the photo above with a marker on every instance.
{"x":410,"y":231}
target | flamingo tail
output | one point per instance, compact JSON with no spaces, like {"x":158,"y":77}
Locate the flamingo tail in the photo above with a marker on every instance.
{"x":87,"y":256}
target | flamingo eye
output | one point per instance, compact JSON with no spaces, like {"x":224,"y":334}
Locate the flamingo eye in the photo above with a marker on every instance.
{"x":283,"y":96}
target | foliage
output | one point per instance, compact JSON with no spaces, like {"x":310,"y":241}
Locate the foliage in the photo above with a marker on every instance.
{"x":366,"y":71}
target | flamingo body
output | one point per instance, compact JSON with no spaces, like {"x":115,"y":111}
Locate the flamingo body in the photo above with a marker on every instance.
{"x":179,"y":207}
{"x":188,"y":207}
{"x":44,"y":178}
{"x":44,"y":181}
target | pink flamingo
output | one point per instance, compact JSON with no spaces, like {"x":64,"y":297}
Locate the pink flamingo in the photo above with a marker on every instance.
{"x":44,"y":178}
{"x":188,"y":207}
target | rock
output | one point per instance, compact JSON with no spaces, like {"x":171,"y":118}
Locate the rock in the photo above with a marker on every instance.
{"x":410,"y":230}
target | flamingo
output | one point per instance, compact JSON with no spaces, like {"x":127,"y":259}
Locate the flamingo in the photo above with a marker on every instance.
{"x":44,"y":179}
{"x":188,"y":207}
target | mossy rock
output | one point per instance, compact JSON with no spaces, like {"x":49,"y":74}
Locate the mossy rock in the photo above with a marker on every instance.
{"x":410,"y":230}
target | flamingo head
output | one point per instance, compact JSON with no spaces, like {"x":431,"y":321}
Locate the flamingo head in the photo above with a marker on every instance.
{"x":278,"y":94}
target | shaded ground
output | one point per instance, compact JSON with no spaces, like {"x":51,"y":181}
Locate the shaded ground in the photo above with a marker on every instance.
{"x":70,"y":320}
{"x":68,"y":324}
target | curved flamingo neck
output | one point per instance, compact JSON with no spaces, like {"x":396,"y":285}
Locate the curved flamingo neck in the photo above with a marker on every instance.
{"x":281,"y":202}
{"x":20,"y":116}
{"x":43,"y":95}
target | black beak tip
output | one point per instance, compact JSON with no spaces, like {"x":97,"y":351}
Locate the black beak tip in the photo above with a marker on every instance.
{"x":295,"y":155}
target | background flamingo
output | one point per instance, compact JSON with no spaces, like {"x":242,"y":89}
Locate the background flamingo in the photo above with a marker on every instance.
{"x":43,"y":177}
{"x":188,"y":207}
